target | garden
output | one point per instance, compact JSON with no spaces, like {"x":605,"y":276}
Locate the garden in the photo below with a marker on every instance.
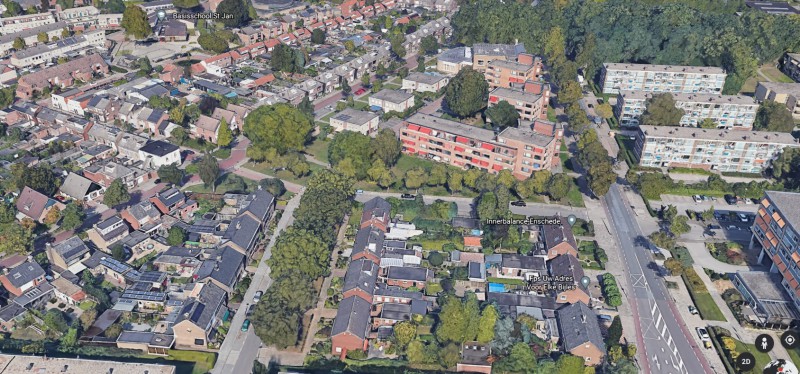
{"x":591,"y":255}
{"x":727,"y":252}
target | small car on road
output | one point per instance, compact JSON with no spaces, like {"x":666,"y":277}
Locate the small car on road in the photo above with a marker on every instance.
{"x":246,"y":325}
{"x":408,"y":196}
{"x":693,"y":310}
{"x":704,"y":337}
{"x":518,"y":203}
{"x":360,"y":91}
{"x":257,"y":296}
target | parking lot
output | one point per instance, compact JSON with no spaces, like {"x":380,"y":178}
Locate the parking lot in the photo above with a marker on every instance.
{"x":729,"y":225}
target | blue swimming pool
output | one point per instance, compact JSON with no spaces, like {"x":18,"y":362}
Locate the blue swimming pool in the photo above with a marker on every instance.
{"x":497,"y":287}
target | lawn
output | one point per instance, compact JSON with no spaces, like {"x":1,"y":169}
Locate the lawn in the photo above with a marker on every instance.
{"x":436,"y":244}
{"x":794,"y":354}
{"x":203,"y":361}
{"x":514,"y":282}
{"x":762,"y":359}
{"x":774,"y":74}
{"x":709,"y":310}
{"x":690,"y":171}
{"x":749,"y":86}
{"x":574,"y":196}
{"x":589,"y":253}
{"x":283,"y":174}
{"x":319,"y":149}
{"x":222,"y":153}
{"x":86,"y":305}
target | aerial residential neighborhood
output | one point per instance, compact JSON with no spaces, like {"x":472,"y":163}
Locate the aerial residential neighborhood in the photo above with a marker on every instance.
{"x":279,"y":186}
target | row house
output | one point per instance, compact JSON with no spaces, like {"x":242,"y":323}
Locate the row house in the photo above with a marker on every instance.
{"x":62,"y":75}
{"x":522,"y":150}
{"x":31,"y":36}
{"x":437,"y":28}
{"x":311,"y":87}
{"x":44,"y":53}
{"x":107,"y":232}
{"x":11,"y":25}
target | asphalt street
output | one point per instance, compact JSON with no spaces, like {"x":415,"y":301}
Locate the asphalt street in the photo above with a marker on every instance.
{"x":660,"y":330}
{"x":240,"y":348}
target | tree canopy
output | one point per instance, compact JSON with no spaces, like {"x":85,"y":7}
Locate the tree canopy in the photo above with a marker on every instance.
{"x":208,"y":169}
{"x":458,"y":319}
{"x":660,"y":110}
{"x":212,"y":42}
{"x":116,"y":194}
{"x":236,"y":13}
{"x":281,"y":127}
{"x":503,"y":115}
{"x":466,"y":93}
{"x":772,"y":116}
{"x":134,"y":22}
{"x":171,"y":174}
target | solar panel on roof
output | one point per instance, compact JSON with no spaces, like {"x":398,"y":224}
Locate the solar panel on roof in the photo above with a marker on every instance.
{"x":198,"y":311}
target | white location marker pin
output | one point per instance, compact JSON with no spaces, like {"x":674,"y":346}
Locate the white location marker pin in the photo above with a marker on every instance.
{"x":585,"y":282}
{"x":571,"y":219}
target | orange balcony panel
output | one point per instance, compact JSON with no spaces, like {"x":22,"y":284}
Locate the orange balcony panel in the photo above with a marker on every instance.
{"x":765,"y":203}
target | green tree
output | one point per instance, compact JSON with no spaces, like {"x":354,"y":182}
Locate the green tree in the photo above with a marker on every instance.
{"x":604,"y":110}
{"x":42,"y":37}
{"x":786,"y":168}
{"x":118,"y":252}
{"x":396,"y":45}
{"x":614,"y":332}
{"x":353,"y":146}
{"x":466,"y":93}
{"x":176,"y":236}
{"x":437,"y":175}
{"x":457,"y":319}
{"x":7,"y":212}
{"x":679,"y":226}
{"x":707,"y":123}
{"x":349,"y":45}
{"x":19,"y":44}
{"x":520,"y":360}
{"x":450,"y":355}
{"x":421,"y":64}
{"x":180,"y":136}
{"x":318,"y":36}
{"x":54,"y":320}
{"x":171,"y":174}
{"x":630,"y":351}
{"x":772,"y":116}
{"x":208,"y":169}
{"x":69,"y":341}
{"x":558,"y":186}
{"x":274,"y":186}
{"x":386,"y":147}
{"x":455,"y":181}
{"x":15,"y":239}
{"x":489,"y":317}
{"x":661,"y":110}
{"x":569,"y":364}
{"x":306,"y":107}
{"x":615,"y":353}
{"x":134,"y":22}
{"x":429,"y":44}
{"x":503,"y":115}
{"x":284,"y":59}
{"x":72,"y":216}
{"x":281,"y":127}
{"x":116,"y":194}
{"x":212,"y":42}
{"x":414,"y":178}
{"x":436,"y":259}
{"x":417,"y":352}
{"x":570,"y":93}
{"x":404,"y":333}
{"x":299,"y":251}
{"x":237,"y":13}
{"x":186,"y":4}
{"x":346,"y":89}
{"x":674,"y":266}
{"x":224,"y":134}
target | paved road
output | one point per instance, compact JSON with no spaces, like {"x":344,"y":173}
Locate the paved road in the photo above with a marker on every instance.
{"x":239,"y":349}
{"x":660,"y":330}
{"x":465,"y":205}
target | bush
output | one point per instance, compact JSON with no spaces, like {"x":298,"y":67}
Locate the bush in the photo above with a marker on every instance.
{"x":611,"y":290}
{"x":435,"y":259}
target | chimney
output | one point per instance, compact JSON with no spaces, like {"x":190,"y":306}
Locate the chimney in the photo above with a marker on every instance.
{"x":583,"y":319}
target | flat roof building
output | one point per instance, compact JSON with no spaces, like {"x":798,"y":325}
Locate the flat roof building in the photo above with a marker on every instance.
{"x":43,"y":53}
{"x":355,"y":120}
{"x":718,"y":150}
{"x":522,"y":150}
{"x":529,"y":106}
{"x":661,"y":78}
{"x":11,"y":364}
{"x":727,"y":111}
{"x":784,"y":93}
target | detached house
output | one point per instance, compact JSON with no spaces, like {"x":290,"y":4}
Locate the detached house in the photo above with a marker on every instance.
{"x":79,"y":188}
{"x":68,"y":255}
{"x":355,"y":120}
{"x":580,"y":334}
{"x":197,"y":320}
{"x":158,"y":153}
{"x":22,"y":278}
{"x":205,"y":128}
{"x":107,"y":232}
{"x":392,"y":100}
{"x":35,"y":205}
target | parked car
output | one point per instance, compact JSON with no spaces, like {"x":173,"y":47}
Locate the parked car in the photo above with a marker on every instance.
{"x":518,"y":203}
{"x":250,"y":310}
{"x":246,"y":325}
{"x":605,"y":317}
{"x":360,"y":91}
{"x":714,"y":227}
{"x":732,"y":227}
{"x":704,"y":337}
{"x":693,"y":310}
{"x":743,"y":217}
{"x":697,"y":198}
{"x":730,"y":199}
{"x":359,"y":192}
{"x":408,"y":196}
{"x":257,"y":296}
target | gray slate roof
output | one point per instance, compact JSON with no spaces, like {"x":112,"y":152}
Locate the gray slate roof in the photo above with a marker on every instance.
{"x":407,"y":273}
{"x":369,"y":239}
{"x":787,"y":203}
{"x":352,"y":317}
{"x":201,"y":311}
{"x":523,"y":262}
{"x":261,"y":202}
{"x":24,"y":273}
{"x":578,"y":325}
{"x":243,"y":231}
{"x":361,"y":274}
{"x":77,"y":187}
{"x":71,"y":249}
{"x":223,"y":266}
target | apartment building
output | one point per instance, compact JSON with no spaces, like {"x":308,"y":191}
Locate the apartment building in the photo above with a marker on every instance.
{"x":355,"y":120}
{"x":777,"y":230}
{"x":502,"y":73}
{"x":523,"y":150}
{"x":728,"y":111}
{"x":392,"y":100}
{"x":784,"y":93}
{"x":44,"y":53}
{"x":10,"y":25}
{"x":719,"y":150}
{"x":661,"y":78}
{"x":483,"y":54}
{"x":790,"y":65}
{"x":31,"y":35}
{"x":530,"y":106}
